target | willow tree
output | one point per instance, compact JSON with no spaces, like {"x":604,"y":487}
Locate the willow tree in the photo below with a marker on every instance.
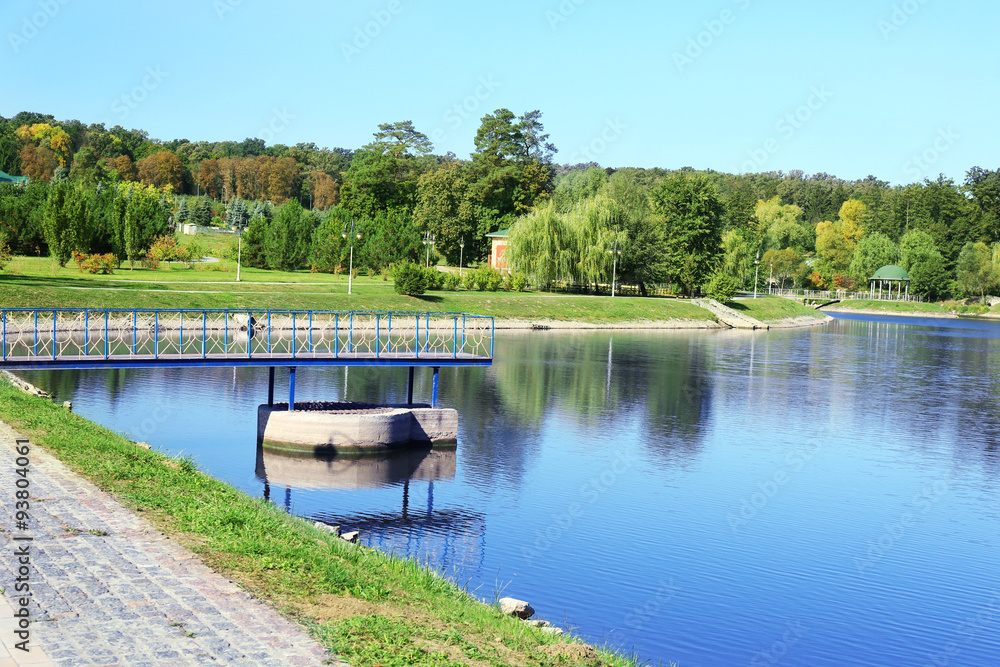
{"x":540,"y":245}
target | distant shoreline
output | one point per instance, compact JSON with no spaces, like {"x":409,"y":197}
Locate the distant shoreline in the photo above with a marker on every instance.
{"x":677,"y":325}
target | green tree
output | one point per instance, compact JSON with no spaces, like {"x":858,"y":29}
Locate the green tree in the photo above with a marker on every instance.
{"x":975,"y":272}
{"x":873,"y":252}
{"x":692,"y":221}
{"x":329,"y":247}
{"x":254,"y":241}
{"x":399,"y":140}
{"x":289,"y":237}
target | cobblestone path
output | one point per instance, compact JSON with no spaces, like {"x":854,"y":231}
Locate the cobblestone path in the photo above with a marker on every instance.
{"x":128,"y":597}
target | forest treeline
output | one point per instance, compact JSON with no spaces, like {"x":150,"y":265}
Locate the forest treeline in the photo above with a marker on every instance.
{"x":94,"y":189}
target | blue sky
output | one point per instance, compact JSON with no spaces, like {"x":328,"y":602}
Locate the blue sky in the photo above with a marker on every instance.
{"x":902,"y":89}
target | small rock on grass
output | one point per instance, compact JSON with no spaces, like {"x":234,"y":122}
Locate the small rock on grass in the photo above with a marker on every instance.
{"x":514,"y":607}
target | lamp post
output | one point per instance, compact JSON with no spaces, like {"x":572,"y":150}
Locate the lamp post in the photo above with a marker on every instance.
{"x":350,"y":274}
{"x":239,"y":252}
{"x":461,"y":255}
{"x":756,"y":267}
{"x":428,"y":242}
{"x":616,"y":250}
{"x":770,"y":279}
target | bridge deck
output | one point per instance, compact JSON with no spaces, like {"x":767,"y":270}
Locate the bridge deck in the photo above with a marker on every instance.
{"x":35,"y":338}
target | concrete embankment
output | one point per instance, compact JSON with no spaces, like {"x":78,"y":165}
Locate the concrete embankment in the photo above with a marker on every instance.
{"x":354,"y":428}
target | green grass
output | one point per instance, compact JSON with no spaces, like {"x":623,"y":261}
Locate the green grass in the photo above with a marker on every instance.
{"x":39,"y":282}
{"x":367,"y":606}
{"x":773,"y":309}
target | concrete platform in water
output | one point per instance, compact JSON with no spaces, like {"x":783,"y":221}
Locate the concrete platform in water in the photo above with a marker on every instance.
{"x":354,"y":428}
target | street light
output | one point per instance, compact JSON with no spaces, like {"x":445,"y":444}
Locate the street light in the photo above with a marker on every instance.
{"x":616,"y":251}
{"x":461,"y":255}
{"x":756,"y":267}
{"x":770,"y":279}
{"x":350,"y":275}
{"x":428,"y":242}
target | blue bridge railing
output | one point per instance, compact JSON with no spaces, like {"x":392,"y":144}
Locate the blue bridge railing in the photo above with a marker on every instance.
{"x":100,"y":337}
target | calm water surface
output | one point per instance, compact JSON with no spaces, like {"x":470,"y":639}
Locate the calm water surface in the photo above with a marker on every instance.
{"x":823,"y":496}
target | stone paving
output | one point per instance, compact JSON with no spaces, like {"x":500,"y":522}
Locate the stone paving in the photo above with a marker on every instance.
{"x":108,"y":589}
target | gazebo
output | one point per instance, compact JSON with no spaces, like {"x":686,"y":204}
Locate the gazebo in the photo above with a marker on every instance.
{"x":889,"y":276}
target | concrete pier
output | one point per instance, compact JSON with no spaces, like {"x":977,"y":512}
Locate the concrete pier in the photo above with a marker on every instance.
{"x":354,"y":428}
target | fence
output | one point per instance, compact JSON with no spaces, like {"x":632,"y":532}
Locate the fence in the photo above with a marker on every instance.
{"x":842,"y":295}
{"x":57,"y":336}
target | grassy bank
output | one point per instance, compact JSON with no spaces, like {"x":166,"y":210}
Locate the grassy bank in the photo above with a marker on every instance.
{"x":369,"y":608}
{"x":39,"y":282}
{"x":773,"y":309}
{"x":890,"y":307}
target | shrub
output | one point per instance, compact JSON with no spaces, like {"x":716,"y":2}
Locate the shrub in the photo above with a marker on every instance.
{"x":469,"y":280}
{"x":4,"y":254}
{"x":164,"y":249}
{"x":409,"y":279}
{"x":451,"y":282}
{"x":515,"y":282}
{"x":95,"y":263}
{"x":722,"y":288}
{"x":434,"y":278}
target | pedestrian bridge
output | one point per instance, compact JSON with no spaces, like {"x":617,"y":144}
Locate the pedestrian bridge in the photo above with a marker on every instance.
{"x":54,"y":338}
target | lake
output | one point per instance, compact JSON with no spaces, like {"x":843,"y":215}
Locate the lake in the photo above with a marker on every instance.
{"x":819,"y":496}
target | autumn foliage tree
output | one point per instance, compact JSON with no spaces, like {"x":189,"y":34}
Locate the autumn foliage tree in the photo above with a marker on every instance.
{"x":162,"y":170}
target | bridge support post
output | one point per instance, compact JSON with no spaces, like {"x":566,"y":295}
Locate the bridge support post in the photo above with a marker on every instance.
{"x":434,"y":389}
{"x":291,"y":388}
{"x":270,"y":386}
{"x":409,"y":388}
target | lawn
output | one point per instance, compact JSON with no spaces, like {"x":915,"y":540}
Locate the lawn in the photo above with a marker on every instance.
{"x":773,"y":309}
{"x":40,"y":282}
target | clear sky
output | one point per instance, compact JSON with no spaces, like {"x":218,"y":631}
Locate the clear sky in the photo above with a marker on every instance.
{"x":901,"y":89}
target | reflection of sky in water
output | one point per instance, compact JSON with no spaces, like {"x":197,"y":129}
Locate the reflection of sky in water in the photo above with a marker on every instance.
{"x":708,"y":488}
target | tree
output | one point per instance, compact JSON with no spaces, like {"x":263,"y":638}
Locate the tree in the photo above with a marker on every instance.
{"x":782,"y":264}
{"x":692,"y":222}
{"x":873,"y":252}
{"x":539,"y":245}
{"x":782,"y":225}
{"x":163,"y":170}
{"x":254,"y":242}
{"x":400,"y":140}
{"x":921,"y":259}
{"x":390,"y":237}
{"x":289,"y":237}
{"x":502,"y":137}
{"x":328,"y":244}
{"x":975,"y":270}
{"x":183,"y":213}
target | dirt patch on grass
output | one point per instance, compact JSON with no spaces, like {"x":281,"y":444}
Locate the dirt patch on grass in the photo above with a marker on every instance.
{"x":581,"y":654}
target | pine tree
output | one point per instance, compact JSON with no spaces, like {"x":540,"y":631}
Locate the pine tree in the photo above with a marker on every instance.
{"x":183,"y":213}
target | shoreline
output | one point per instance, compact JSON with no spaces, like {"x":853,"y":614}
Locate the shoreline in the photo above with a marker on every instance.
{"x":673,"y":325}
{"x":902,"y":313}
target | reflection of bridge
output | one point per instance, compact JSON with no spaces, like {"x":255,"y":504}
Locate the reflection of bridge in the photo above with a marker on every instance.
{"x":54,"y":338}
{"x":444,"y":537}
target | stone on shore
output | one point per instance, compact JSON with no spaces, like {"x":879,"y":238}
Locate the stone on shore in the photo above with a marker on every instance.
{"x":513,"y":607}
